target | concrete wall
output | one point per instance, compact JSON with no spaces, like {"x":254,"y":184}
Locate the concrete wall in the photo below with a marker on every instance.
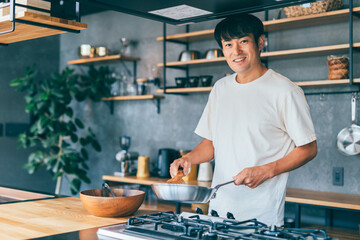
{"x":14,"y":59}
{"x":173,"y":128}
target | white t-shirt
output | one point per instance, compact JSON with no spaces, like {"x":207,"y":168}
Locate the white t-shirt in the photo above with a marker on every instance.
{"x":253,"y":124}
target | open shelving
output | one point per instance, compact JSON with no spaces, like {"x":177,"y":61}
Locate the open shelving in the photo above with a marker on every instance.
{"x":102,"y":60}
{"x":32,"y":25}
{"x":331,"y":17}
{"x":319,"y":83}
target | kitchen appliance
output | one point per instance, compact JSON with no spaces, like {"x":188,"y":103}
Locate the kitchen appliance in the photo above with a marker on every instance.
{"x":185,"y":193}
{"x":348,"y":139}
{"x":167,"y":225}
{"x":165,"y":158}
{"x":127,"y":159}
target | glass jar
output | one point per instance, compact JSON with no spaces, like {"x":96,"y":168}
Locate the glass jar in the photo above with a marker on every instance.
{"x":115,"y":87}
{"x":141,"y":86}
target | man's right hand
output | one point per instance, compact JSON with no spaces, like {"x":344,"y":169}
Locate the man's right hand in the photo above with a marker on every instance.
{"x":183,"y":162}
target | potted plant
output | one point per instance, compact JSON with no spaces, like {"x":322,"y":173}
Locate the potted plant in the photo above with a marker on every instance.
{"x":60,"y":139}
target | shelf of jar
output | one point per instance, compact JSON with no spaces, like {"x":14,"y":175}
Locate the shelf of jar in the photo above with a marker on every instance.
{"x":26,"y":31}
{"x":323,"y":83}
{"x":273,"y":25}
{"x":102,"y":60}
{"x":136,"y":97}
{"x":301,"y":52}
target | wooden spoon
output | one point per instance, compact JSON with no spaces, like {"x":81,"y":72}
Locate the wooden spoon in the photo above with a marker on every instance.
{"x":178,"y":178}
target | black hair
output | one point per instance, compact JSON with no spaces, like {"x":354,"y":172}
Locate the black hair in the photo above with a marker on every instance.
{"x":238,"y":26}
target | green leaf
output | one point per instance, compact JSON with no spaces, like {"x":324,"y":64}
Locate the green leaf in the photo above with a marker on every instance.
{"x":79,"y":123}
{"x":84,"y":153}
{"x":16,"y":82}
{"x":74,"y":138}
{"x":96,"y":145}
{"x":75,"y":186}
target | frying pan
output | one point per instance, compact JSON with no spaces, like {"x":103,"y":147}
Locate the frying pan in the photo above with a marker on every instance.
{"x":185,"y":193}
{"x":348,"y":139}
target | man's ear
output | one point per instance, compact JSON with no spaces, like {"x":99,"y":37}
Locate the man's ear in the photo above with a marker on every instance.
{"x":261,"y":42}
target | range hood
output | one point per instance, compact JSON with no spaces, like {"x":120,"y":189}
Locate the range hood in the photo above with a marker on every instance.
{"x":188,"y":11}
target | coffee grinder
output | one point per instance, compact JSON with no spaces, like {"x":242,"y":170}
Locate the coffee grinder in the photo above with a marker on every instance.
{"x":127,"y":159}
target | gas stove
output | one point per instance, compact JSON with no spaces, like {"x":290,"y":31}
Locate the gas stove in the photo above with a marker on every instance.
{"x":168,"y":226}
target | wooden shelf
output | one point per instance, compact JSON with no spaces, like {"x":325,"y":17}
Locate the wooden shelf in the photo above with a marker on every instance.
{"x":137,"y":97}
{"x":273,"y":25}
{"x":102,"y":60}
{"x":186,"y":90}
{"x":301,"y":52}
{"x":320,"y":83}
{"x":25,"y":31}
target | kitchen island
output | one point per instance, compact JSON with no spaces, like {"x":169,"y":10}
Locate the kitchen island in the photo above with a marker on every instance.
{"x":40,"y":218}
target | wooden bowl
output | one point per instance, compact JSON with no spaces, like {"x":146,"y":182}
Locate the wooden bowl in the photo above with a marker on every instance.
{"x":126,"y":202}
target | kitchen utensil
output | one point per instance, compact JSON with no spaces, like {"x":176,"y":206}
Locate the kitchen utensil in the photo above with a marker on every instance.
{"x":106,"y":187}
{"x":165,"y":158}
{"x":178,"y":179}
{"x":213,"y":53}
{"x":348,"y":139}
{"x":189,"y":55}
{"x":126,"y":202}
{"x":180,"y":82}
{"x":185,"y":193}
{"x":206,"y":80}
{"x":193,"y":81}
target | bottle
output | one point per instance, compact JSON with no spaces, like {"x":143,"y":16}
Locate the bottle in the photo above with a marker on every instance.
{"x":143,"y":167}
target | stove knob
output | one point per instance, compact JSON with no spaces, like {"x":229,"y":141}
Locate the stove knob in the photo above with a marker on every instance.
{"x":229,"y":215}
{"x":214,"y":213}
{"x":199,"y":211}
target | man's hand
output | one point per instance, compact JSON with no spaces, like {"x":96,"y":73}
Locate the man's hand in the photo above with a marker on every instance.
{"x":253,"y":176}
{"x":180,"y":162}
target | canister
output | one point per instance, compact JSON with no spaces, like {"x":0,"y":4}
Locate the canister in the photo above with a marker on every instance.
{"x":143,"y":167}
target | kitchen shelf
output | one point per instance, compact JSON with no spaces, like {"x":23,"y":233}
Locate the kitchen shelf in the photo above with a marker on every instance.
{"x":301,"y":52}
{"x":319,"y":83}
{"x":26,"y":30}
{"x":102,"y":60}
{"x":136,"y":97}
{"x":272,"y":25}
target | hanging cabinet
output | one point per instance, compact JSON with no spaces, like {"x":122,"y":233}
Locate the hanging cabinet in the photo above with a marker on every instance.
{"x":270,"y":26}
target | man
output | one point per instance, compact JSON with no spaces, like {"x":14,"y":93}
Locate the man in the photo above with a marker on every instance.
{"x":256,"y":125}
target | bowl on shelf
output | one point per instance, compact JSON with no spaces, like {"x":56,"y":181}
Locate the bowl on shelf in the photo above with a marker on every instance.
{"x":213,"y":53}
{"x":100,"y":204}
{"x":189,"y":55}
{"x":193,"y":81}
{"x":180,"y":82}
{"x":206,"y":80}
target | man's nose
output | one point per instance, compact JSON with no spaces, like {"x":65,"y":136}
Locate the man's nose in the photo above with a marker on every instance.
{"x":237,"y":49}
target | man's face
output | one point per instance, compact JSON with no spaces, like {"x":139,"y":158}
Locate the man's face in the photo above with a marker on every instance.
{"x":242,"y":54}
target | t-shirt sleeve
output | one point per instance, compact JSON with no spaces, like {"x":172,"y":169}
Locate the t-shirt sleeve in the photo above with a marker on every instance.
{"x":204,"y":127}
{"x":297,"y":119}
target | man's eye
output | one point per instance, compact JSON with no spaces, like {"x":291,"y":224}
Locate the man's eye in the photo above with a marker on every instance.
{"x":227,"y":45}
{"x":244,"y":41}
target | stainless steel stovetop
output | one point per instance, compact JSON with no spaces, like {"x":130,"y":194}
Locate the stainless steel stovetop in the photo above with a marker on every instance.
{"x":167,"y":225}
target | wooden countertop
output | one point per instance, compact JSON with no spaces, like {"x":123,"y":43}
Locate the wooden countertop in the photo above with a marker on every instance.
{"x":34,"y":219}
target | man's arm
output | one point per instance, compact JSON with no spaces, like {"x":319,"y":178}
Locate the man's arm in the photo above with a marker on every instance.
{"x":203,"y":152}
{"x":254,"y":176}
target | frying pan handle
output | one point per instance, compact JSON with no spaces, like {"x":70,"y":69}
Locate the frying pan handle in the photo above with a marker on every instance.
{"x":218,"y":186}
{"x":353,"y":109}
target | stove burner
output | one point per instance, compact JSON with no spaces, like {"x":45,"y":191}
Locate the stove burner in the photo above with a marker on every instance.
{"x":170,"y":226}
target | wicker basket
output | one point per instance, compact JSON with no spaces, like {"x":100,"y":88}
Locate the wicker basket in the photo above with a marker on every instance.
{"x":313,"y":8}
